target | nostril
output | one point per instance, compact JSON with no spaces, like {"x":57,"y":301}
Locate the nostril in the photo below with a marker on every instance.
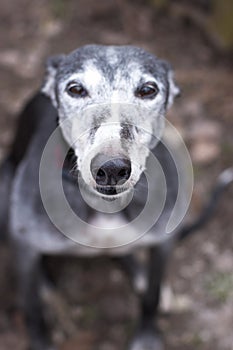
{"x":124,"y":173}
{"x":110,"y":171}
{"x":100,"y":176}
{"x":100,"y":173}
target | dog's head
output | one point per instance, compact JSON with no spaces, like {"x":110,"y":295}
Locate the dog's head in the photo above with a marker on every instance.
{"x":111,"y":102}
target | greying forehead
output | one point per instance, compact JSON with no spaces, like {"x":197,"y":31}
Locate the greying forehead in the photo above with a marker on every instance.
{"x":110,"y":59}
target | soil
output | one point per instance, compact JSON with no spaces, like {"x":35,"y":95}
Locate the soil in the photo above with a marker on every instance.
{"x":93,"y":306}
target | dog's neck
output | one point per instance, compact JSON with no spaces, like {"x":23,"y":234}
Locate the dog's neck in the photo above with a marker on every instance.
{"x":69,"y":171}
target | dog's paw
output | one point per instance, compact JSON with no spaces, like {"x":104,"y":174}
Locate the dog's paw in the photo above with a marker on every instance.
{"x":146,"y":341}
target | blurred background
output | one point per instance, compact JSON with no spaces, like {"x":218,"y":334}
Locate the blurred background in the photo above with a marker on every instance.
{"x":94,"y":307}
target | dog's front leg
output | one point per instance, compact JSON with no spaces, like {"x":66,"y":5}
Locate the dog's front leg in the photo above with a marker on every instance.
{"x":147,"y":336}
{"x":29,"y":276}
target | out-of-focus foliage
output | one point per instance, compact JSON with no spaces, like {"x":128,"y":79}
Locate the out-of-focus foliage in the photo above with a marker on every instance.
{"x":213,"y":17}
{"x":159,"y":3}
{"x":221,"y":21}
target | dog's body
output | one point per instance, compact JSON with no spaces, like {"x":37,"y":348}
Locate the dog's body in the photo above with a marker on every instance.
{"x":87,"y":84}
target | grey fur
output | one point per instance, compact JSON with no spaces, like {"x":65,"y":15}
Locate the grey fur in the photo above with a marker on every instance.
{"x":117,"y":73}
{"x":111,"y":76}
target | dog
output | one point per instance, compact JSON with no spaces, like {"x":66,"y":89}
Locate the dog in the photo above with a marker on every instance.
{"x":87,"y":139}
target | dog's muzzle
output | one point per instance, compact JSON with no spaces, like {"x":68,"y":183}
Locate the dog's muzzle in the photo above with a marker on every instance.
{"x":110,"y":174}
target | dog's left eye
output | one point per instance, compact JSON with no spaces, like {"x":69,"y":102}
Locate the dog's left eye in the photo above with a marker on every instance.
{"x":76,"y":90}
{"x":148,"y":90}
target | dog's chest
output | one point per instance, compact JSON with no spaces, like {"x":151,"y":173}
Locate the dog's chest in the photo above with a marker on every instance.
{"x":30,"y":222}
{"x":108,"y":230}
{"x":97,"y":234}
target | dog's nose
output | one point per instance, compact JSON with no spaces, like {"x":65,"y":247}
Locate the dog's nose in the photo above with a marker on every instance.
{"x":110,"y":172}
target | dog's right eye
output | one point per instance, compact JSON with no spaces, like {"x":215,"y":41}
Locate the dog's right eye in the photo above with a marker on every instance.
{"x":76,"y":90}
{"x":147,"y":91}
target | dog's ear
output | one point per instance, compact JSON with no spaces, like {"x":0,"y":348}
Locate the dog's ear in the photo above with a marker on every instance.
{"x":173,"y":89}
{"x":49,"y":85}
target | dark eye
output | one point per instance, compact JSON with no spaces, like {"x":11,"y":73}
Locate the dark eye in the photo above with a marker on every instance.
{"x":76,"y":90}
{"x":148,"y":90}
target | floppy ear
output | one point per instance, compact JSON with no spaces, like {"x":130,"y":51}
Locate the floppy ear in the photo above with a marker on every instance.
{"x":49,"y":85}
{"x":173,"y":89}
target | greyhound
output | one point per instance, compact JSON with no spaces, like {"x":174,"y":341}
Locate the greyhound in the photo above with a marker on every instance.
{"x":96,"y":122}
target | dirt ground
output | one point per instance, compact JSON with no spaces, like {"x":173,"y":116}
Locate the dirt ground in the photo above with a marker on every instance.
{"x":94,"y":307}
